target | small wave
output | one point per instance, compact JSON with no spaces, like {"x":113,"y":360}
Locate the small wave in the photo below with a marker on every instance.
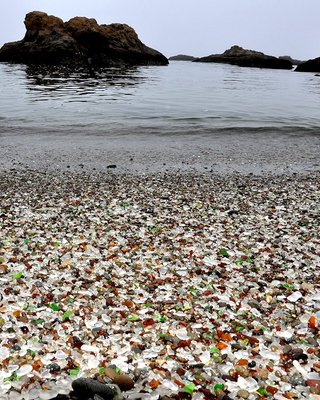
{"x":170,"y":132}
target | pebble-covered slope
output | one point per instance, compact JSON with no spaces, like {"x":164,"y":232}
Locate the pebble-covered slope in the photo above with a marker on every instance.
{"x":189,"y":284}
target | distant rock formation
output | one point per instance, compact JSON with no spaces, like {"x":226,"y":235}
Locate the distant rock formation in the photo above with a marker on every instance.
{"x":236,"y":55}
{"x":81,"y":40}
{"x":182,"y":57}
{"x":309,"y":66}
{"x":292,"y":60}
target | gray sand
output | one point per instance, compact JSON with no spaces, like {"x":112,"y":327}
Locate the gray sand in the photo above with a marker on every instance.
{"x":244,"y":153}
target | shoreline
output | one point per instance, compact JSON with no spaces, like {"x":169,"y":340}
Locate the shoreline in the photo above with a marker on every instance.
{"x":184,"y":281}
{"x":243,"y":154}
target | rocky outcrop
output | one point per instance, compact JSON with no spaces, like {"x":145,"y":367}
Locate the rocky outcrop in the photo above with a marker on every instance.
{"x":182,"y":57}
{"x":49,"y":40}
{"x":292,"y":60}
{"x":309,"y":66}
{"x":236,"y":55}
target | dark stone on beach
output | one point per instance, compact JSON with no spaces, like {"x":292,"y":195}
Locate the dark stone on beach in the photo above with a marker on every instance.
{"x":229,"y":378}
{"x":80,"y":41}
{"x":299,"y":357}
{"x":233,"y":212}
{"x":112,"y":166}
{"x":254,"y":304}
{"x":182,"y":57}
{"x":309,"y":66}
{"x":312,"y":341}
{"x":54,"y":367}
{"x":286,"y":349}
{"x":85,"y":388}
{"x":236,"y":55}
{"x":297,"y":380}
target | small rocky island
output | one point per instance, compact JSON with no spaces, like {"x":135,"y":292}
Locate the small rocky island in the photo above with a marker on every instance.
{"x":79,"y":41}
{"x":182,"y":57}
{"x":309,"y":66}
{"x":236,"y":55}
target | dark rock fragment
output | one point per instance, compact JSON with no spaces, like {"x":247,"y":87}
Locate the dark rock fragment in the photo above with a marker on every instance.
{"x":299,"y":357}
{"x":54,"y":367}
{"x":85,"y":388}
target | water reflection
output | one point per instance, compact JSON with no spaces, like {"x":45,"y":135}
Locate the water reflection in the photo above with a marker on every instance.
{"x":83,"y":82}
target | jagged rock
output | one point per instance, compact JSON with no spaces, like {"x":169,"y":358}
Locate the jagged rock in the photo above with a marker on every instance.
{"x":182,"y":57}
{"x":309,"y":66}
{"x":80,"y":41}
{"x":292,"y":60}
{"x":236,"y":55}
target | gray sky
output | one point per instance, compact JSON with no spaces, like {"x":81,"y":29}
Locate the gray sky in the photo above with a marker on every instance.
{"x":195,"y":27}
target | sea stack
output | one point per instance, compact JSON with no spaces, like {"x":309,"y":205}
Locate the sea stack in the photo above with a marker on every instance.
{"x":50,"y":40}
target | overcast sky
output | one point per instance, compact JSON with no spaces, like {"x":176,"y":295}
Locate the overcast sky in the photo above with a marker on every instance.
{"x":195,"y":27}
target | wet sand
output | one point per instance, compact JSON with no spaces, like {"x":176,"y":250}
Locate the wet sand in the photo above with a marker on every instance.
{"x":222,"y":154}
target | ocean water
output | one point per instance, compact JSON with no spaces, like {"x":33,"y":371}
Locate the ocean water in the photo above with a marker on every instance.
{"x":181,"y":99}
{"x":182,"y":106}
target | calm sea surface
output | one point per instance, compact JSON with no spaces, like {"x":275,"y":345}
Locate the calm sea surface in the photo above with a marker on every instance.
{"x":181,"y":99}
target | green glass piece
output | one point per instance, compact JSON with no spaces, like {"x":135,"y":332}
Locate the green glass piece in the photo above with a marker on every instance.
{"x":133,"y":318}
{"x":19,"y":275}
{"x":239,"y":328}
{"x":263,"y":392}
{"x":288,"y":287}
{"x":189,"y":388}
{"x":224,"y":253}
{"x":163,"y":335}
{"x":74,"y":371}
{"x":13,"y":378}
{"x":39,"y":321}
{"x":218,"y":386}
{"x":54,"y":307}
{"x":67,"y":315}
{"x":31,"y":352}
{"x":214,"y":350}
